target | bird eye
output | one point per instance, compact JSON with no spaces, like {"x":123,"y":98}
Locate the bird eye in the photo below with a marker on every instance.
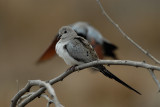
{"x":65,"y":31}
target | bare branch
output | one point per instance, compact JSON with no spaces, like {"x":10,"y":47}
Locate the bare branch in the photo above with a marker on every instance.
{"x":125,"y":35}
{"x":43,"y":95}
{"x":48,"y":99}
{"x":23,"y":97}
{"x":154,"y":78}
{"x":17,"y":84}
{"x":66,"y":73}
{"x":34,"y":83}
{"x":120,"y":62}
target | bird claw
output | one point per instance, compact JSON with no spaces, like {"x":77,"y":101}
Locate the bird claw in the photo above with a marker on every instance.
{"x":72,"y":68}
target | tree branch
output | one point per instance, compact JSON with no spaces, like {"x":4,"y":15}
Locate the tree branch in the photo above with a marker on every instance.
{"x":154,"y":78}
{"x":40,"y":83}
{"x":49,"y":88}
{"x":47,"y":98}
{"x":68,"y":72}
{"x":125,"y":35}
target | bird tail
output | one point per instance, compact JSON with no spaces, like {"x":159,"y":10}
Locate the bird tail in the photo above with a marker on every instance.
{"x":103,"y":70}
{"x":109,"y":49}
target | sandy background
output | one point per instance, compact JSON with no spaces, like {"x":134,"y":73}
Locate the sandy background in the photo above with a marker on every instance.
{"x":28,"y":26}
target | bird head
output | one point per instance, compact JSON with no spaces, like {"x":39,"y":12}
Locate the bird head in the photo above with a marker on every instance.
{"x":65,"y":32}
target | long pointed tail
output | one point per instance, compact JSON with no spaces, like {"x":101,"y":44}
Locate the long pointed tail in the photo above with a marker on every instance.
{"x":112,"y":76}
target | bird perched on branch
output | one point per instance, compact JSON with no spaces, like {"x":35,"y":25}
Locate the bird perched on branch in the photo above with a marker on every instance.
{"x":76,"y":50}
{"x":101,"y":45}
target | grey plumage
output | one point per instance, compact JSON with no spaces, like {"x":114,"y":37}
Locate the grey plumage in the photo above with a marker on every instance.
{"x":78,"y":48}
{"x":75,"y":50}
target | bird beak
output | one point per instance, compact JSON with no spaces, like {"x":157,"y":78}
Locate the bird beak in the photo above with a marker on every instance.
{"x":59,"y":36}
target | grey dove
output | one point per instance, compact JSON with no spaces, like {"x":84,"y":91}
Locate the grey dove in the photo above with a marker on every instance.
{"x":76,"y":50}
{"x":102,"y":46}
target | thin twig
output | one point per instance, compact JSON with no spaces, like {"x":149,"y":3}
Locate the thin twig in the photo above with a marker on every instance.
{"x":48,"y":99}
{"x":49,"y":88}
{"x":17,"y":84}
{"x":23,"y":97}
{"x":125,"y":35}
{"x":68,"y":72}
{"x":28,"y":96}
{"x":154,"y":78}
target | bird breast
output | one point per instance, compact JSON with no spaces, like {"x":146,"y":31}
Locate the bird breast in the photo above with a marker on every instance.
{"x":65,"y":55}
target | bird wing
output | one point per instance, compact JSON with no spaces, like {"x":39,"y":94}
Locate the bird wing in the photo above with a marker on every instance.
{"x":50,"y":52}
{"x":79,"y":49}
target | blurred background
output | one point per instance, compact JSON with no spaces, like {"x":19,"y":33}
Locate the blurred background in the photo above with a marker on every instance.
{"x":27,"y":27}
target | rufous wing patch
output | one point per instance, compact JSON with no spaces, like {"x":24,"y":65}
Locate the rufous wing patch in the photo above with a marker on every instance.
{"x":98,"y":48}
{"x":49,"y":53}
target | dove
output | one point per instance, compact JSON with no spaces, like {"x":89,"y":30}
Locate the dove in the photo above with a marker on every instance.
{"x":76,"y":50}
{"x":102,"y":46}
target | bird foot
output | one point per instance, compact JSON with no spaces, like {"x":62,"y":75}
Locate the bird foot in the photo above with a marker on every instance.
{"x":72,"y":68}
